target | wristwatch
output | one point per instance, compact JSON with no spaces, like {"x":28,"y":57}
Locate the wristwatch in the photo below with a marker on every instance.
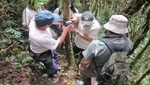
{"x":77,"y":32}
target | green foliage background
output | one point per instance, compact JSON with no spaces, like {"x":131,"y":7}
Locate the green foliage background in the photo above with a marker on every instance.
{"x":13,"y":46}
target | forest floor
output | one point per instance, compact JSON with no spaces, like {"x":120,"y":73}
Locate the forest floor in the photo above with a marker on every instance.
{"x":31,"y":73}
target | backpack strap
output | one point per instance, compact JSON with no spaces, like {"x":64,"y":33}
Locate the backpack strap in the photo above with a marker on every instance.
{"x":112,"y":47}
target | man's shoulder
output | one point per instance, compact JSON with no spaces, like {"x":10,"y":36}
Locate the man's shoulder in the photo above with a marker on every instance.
{"x":97,"y":42}
{"x":96,"y":23}
{"x":77,"y":11}
{"x":56,"y":10}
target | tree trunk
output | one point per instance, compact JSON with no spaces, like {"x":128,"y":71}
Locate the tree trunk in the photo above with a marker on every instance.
{"x":139,"y":56}
{"x":142,"y":77}
{"x":134,"y":6}
{"x":146,"y":28}
{"x":68,"y":44}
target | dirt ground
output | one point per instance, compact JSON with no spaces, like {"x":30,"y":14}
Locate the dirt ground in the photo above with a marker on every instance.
{"x":30,"y":73}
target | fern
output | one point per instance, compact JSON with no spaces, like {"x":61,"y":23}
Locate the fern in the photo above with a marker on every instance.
{"x":13,"y":32}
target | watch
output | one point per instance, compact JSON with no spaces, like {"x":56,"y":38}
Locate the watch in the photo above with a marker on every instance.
{"x":77,"y":32}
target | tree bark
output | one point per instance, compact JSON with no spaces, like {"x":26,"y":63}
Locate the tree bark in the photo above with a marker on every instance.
{"x":146,"y":28}
{"x":135,"y":6}
{"x":139,"y":56}
{"x":68,"y":44}
{"x":142,"y":77}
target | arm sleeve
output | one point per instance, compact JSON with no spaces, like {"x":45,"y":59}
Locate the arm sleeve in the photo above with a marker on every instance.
{"x":56,"y":11}
{"x":77,"y":11}
{"x":89,"y":52}
{"x":96,"y":48}
{"x":94,"y":33}
{"x":23,"y":17}
{"x":95,"y":29}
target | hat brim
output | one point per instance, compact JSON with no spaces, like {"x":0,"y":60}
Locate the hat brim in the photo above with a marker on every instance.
{"x":86,"y":22}
{"x":115,"y":29}
{"x":56,"y":17}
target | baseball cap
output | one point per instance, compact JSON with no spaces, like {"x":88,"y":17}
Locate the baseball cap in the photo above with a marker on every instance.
{"x":56,"y":17}
{"x":45,"y":17}
{"x":87,"y":18}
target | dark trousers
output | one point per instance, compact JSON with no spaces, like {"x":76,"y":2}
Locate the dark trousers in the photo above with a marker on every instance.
{"x":48,"y":58}
{"x":77,"y":51}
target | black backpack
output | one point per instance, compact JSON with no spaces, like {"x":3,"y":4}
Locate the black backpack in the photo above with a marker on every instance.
{"x":115,"y":70}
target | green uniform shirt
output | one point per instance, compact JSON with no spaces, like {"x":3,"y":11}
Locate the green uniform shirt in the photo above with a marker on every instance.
{"x":101,"y":53}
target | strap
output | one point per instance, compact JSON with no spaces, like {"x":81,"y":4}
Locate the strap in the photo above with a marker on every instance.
{"x":112,"y":47}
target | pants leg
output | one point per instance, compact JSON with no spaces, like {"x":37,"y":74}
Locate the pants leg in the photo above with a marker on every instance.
{"x":51,"y":67}
{"x":77,"y":50}
{"x":86,"y":80}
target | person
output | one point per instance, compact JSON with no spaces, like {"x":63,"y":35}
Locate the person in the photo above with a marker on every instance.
{"x":87,"y":30}
{"x":28,"y":14}
{"x":55,"y":27}
{"x":98,"y":52}
{"x":42,"y":43}
{"x":72,"y":8}
{"x":56,"y":23}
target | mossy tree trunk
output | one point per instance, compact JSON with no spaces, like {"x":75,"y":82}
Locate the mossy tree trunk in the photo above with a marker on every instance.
{"x":135,"y":6}
{"x":142,"y":77}
{"x":134,"y":9}
{"x":142,"y":6}
{"x":68,"y":44}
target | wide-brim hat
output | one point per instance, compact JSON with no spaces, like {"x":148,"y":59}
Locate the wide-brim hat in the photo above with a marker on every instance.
{"x":117,"y":24}
{"x":45,"y":17}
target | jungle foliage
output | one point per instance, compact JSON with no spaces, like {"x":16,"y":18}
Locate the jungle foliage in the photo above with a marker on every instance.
{"x":14,"y":47}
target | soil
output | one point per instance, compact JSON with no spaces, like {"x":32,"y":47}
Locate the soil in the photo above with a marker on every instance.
{"x":32,"y":73}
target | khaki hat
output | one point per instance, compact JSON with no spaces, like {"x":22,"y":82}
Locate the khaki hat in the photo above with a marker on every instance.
{"x":117,"y":24}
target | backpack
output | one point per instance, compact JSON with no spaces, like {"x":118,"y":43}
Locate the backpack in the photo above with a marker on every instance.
{"x":115,"y":70}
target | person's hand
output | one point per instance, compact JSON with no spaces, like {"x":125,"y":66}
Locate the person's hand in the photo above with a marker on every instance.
{"x":81,"y":67}
{"x":66,"y":28}
{"x":73,"y":29}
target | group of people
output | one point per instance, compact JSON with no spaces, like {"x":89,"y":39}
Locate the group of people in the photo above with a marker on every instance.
{"x":43,"y":42}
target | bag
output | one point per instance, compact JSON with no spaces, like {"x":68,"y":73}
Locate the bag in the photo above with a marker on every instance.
{"x":116,"y":68}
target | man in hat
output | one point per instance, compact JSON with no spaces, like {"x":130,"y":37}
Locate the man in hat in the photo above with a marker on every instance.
{"x":87,"y":29}
{"x":97,"y":53}
{"x":42,"y":43}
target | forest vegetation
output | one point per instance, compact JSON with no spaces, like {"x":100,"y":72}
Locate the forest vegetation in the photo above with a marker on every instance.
{"x":17,"y":67}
